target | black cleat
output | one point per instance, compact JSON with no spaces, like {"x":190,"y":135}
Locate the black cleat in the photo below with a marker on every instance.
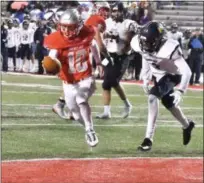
{"x":146,"y":145}
{"x":187,"y":133}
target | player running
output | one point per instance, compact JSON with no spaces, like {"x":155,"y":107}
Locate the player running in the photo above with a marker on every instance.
{"x":74,"y":43}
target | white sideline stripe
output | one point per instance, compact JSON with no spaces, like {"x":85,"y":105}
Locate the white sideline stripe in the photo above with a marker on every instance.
{"x":96,"y":94}
{"x":98,"y":159}
{"x":60,"y":87}
{"x":142,"y":117}
{"x":95,"y":106}
{"x":101,"y":125}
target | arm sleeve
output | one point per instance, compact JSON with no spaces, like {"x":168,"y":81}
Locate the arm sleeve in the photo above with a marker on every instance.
{"x":95,"y":52}
{"x":53,"y":54}
{"x":185,"y":73}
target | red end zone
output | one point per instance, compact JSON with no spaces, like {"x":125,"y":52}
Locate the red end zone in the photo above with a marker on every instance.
{"x":136,"y":170}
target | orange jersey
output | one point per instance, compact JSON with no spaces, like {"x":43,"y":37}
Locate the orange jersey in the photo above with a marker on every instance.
{"x":74,"y":55}
{"x":95,"y":21}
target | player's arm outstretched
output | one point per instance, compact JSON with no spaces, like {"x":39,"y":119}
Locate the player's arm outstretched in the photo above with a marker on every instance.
{"x":185,"y":73}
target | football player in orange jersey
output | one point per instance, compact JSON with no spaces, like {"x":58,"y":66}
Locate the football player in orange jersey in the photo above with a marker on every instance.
{"x":97,"y":21}
{"x":74,"y":43}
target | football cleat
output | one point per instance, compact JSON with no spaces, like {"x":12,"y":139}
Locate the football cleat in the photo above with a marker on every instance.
{"x":127,"y":111}
{"x":187,"y":133}
{"x":91,"y":138}
{"x":104,"y":116}
{"x":146,"y":145}
{"x":58,"y":108}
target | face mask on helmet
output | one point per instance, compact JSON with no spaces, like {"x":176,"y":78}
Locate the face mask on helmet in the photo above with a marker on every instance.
{"x":70,"y":24}
{"x":25,"y":26}
{"x":150,"y":38}
{"x":104,"y":12}
{"x":69,"y":31}
{"x":148,"y":45}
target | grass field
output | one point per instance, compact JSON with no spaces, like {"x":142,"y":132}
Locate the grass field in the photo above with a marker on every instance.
{"x":30,"y":130}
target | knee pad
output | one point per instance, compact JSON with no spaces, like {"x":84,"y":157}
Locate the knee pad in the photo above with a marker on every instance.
{"x":167,"y":101}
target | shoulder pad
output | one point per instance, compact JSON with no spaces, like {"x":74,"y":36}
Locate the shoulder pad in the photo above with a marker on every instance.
{"x":168,"y":49}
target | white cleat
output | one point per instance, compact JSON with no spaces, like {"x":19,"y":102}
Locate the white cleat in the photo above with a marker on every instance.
{"x":91,"y":138}
{"x":58,"y":108}
{"x":104,"y":116}
{"x":127,"y":111}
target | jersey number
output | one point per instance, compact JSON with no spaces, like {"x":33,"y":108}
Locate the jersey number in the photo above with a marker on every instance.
{"x":78,"y":61}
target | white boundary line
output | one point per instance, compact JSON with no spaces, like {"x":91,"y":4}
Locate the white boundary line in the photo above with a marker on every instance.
{"x":99,"y":125}
{"x":113,"y":116}
{"x":97,"y":106}
{"x":95,"y":94}
{"x":98,"y":159}
{"x":98,"y":81}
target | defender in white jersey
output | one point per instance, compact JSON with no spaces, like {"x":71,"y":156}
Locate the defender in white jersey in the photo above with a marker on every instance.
{"x":11,"y":45}
{"x":16,"y":24}
{"x":26,"y":40}
{"x":163,"y":61}
{"x":117,"y":37}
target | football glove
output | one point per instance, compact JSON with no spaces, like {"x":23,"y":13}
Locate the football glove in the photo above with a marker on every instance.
{"x":177,"y":97}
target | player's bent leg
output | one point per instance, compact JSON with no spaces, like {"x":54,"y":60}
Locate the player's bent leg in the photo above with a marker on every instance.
{"x":59,"y":109}
{"x":90,"y":136}
{"x":176,"y":111}
{"x":85,"y":91}
{"x":153,"y":108}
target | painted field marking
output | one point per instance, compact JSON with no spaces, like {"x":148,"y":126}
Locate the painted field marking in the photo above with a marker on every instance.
{"x":98,"y":81}
{"x":99,"y":158}
{"x":98,"y":106}
{"x":95,"y":94}
{"x":139,"y":116}
{"x":100,"y":125}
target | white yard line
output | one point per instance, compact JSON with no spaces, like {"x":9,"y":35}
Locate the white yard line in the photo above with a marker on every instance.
{"x":139,"y":116}
{"x":95,"y":94}
{"x":101,"y":125}
{"x":99,"y":106}
{"x":4,"y":83}
{"x":99,"y":158}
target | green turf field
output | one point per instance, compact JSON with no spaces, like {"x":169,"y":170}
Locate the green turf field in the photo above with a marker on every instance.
{"x":31,"y":130}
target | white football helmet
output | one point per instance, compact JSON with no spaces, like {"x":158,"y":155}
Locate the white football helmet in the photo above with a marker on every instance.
{"x":70,"y":23}
{"x":103,"y":9}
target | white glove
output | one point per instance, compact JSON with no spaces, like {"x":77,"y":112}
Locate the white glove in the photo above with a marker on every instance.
{"x":177,"y":97}
{"x":105,"y":61}
{"x":146,"y":87}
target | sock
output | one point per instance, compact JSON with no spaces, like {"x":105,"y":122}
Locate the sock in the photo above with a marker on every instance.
{"x":153,"y":109}
{"x":17,"y":63}
{"x":20,"y":64}
{"x":127,"y":103}
{"x":85,"y":112}
{"x":106,"y":109}
{"x":178,"y":114}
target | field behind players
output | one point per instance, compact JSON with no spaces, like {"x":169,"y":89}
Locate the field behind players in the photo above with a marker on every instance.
{"x":30,"y":130}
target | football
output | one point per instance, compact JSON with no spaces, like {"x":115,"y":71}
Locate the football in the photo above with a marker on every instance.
{"x":51,"y":66}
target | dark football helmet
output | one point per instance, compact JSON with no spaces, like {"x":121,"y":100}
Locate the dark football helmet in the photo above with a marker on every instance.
{"x":151,"y":36}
